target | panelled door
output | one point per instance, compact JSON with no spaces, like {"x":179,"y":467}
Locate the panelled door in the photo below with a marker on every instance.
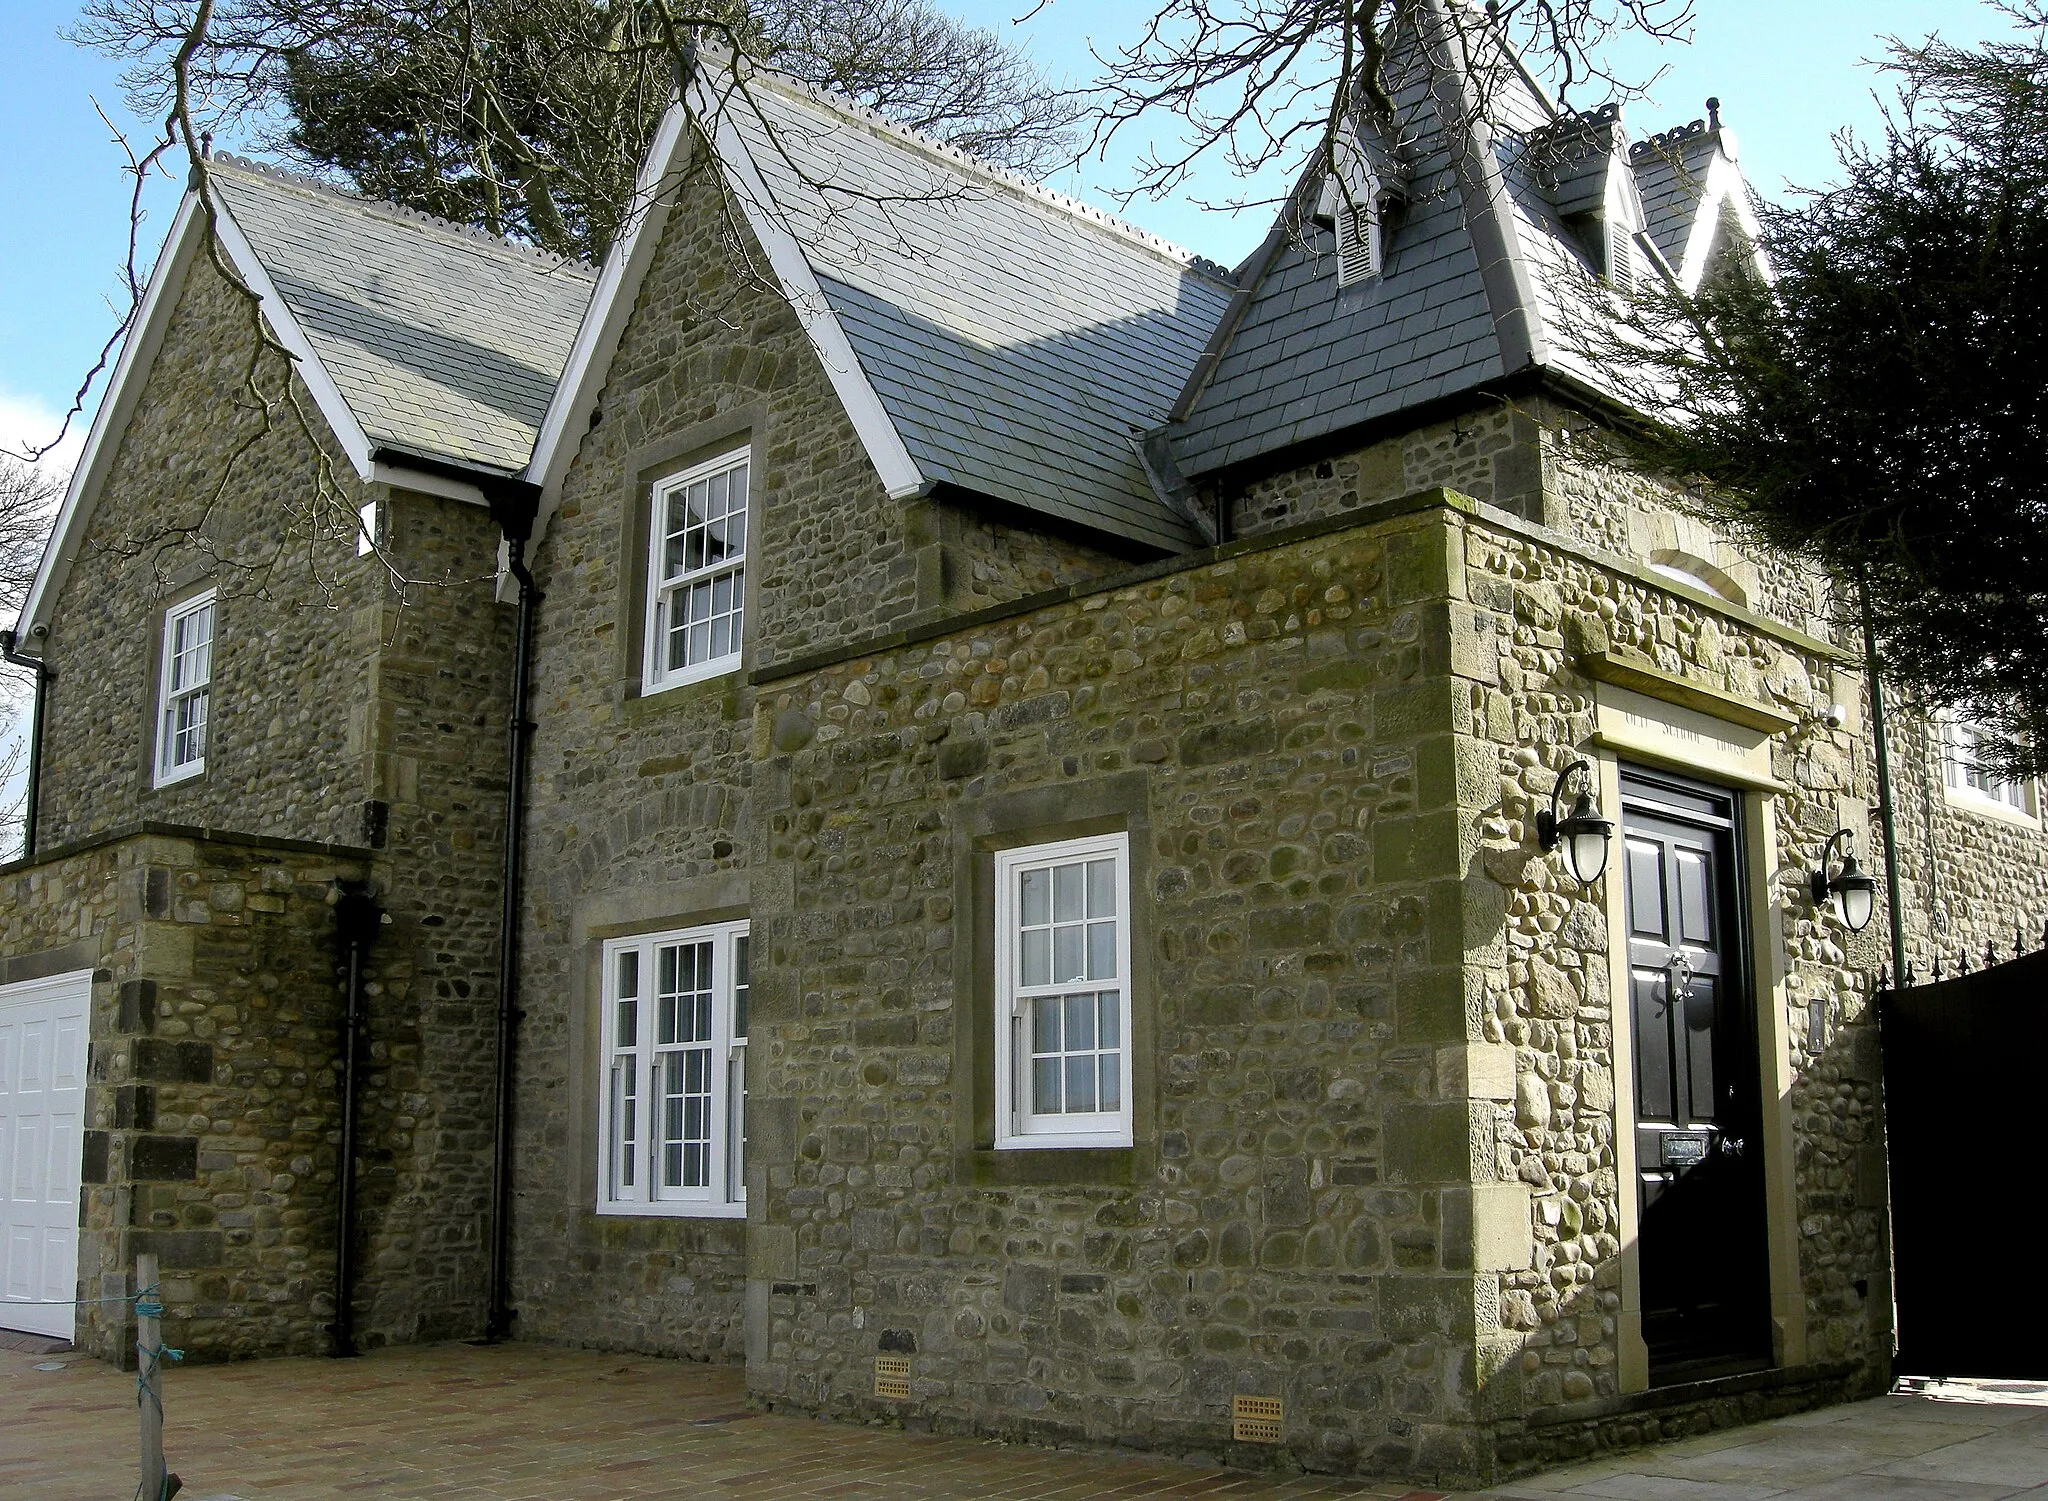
{"x":1698,"y":1106}
{"x":42,"y":1117}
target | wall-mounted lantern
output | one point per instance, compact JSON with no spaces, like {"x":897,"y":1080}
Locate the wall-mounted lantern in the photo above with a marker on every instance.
{"x":1584,"y":832}
{"x":1854,"y":891}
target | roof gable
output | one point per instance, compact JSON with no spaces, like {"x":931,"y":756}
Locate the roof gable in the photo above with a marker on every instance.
{"x":411,"y":333}
{"x":983,"y":333}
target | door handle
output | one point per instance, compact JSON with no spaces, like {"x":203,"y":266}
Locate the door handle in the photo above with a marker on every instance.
{"x":1677,"y":978}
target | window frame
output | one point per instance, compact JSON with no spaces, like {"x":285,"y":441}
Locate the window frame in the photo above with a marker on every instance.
{"x":630,"y":1182}
{"x":659,"y":590}
{"x":164,"y":772}
{"x":1958,"y":738}
{"x":1018,"y":1128}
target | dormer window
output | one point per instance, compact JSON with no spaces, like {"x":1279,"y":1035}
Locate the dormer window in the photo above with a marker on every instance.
{"x":1351,"y":200}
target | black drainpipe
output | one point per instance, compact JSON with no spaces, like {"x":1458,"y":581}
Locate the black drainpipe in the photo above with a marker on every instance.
{"x":1886,"y":811}
{"x":35,"y":739}
{"x":356,"y":919}
{"x":514,"y":504}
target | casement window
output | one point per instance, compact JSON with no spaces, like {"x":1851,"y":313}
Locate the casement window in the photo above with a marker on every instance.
{"x":1063,"y":994}
{"x":697,"y":573}
{"x":184,"y":689}
{"x":673,"y":1118}
{"x":1970,"y":782}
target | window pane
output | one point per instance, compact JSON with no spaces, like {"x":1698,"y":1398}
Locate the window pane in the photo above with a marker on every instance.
{"x":625,"y":1141}
{"x":1045,"y":1025}
{"x":1045,"y":1086}
{"x":629,"y":972}
{"x":1067,"y":963}
{"x":1036,"y":887}
{"x":1080,"y":1022}
{"x":1081,"y":1082}
{"x":1102,"y":888}
{"x":1066,"y":893}
{"x":1111,"y":1012}
{"x":628,"y":1032}
{"x":1110,"y":1097}
{"x":1102,"y":951}
{"x":1037,"y":956}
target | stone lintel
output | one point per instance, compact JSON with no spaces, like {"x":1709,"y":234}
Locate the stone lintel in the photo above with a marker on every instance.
{"x":1626,"y":669}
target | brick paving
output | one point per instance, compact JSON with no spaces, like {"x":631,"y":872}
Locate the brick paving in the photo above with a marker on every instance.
{"x":512,"y":1421}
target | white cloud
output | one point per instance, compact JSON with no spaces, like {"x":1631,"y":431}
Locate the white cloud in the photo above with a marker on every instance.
{"x":28,"y":422}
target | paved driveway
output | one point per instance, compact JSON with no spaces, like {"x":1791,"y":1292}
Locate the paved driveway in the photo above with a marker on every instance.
{"x":1960,"y":1444}
{"x":524,"y":1421}
{"x":515,"y":1421}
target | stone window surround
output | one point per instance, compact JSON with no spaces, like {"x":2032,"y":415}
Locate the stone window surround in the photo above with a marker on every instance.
{"x":661,"y":593}
{"x":644,"y":468}
{"x":1057,"y":811}
{"x":1012,"y":1091}
{"x":186,"y":585}
{"x":723,"y":1197}
{"x":622,"y":912}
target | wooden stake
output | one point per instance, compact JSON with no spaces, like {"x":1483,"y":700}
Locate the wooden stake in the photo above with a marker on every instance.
{"x":149,"y":1380}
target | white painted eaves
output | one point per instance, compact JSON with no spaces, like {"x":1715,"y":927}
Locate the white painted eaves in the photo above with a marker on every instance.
{"x":618,"y":288}
{"x":186,"y":240}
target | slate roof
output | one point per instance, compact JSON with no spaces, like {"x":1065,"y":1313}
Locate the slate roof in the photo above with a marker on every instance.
{"x":1016,"y":338}
{"x":1670,"y":169}
{"x":1482,"y":279}
{"x":443,"y":341}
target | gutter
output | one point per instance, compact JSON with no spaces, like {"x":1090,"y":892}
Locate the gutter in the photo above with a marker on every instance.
{"x":33,"y":801}
{"x":514,"y":506}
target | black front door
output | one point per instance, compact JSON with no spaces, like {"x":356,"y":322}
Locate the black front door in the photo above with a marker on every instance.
{"x":1699,"y":1116}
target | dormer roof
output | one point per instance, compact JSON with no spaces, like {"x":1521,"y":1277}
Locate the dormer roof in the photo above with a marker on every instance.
{"x":1517,"y":212}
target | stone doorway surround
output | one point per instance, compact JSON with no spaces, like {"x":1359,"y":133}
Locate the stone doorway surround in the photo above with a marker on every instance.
{"x":1656,"y":719}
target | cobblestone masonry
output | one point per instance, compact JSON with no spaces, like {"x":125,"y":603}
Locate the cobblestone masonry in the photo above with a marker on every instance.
{"x":211,"y":1108}
{"x":345,"y":709}
{"x":641,"y":805}
{"x":1277,"y":731}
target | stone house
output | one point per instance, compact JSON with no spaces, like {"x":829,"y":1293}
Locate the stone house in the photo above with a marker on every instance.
{"x":1028,"y":914}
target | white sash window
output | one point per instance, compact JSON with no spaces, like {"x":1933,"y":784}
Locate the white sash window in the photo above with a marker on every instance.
{"x":1063,"y":995}
{"x":673,"y":1114}
{"x":184,"y":689}
{"x":697,"y":573}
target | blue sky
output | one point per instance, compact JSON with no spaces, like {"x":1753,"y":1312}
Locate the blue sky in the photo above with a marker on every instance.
{"x":1788,"y":73}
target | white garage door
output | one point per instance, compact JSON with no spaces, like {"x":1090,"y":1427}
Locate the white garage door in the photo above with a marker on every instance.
{"x":42,"y":1120}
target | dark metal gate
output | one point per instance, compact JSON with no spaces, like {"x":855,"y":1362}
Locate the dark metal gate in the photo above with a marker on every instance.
{"x":1965,"y":1061}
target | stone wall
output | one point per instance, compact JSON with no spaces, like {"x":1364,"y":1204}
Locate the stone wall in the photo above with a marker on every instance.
{"x":1275,"y":726}
{"x":282,"y":752}
{"x":357,"y":701}
{"x":1544,"y":462}
{"x":641,"y":813}
{"x":1551,"y":1000}
{"x":212,"y":1105}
